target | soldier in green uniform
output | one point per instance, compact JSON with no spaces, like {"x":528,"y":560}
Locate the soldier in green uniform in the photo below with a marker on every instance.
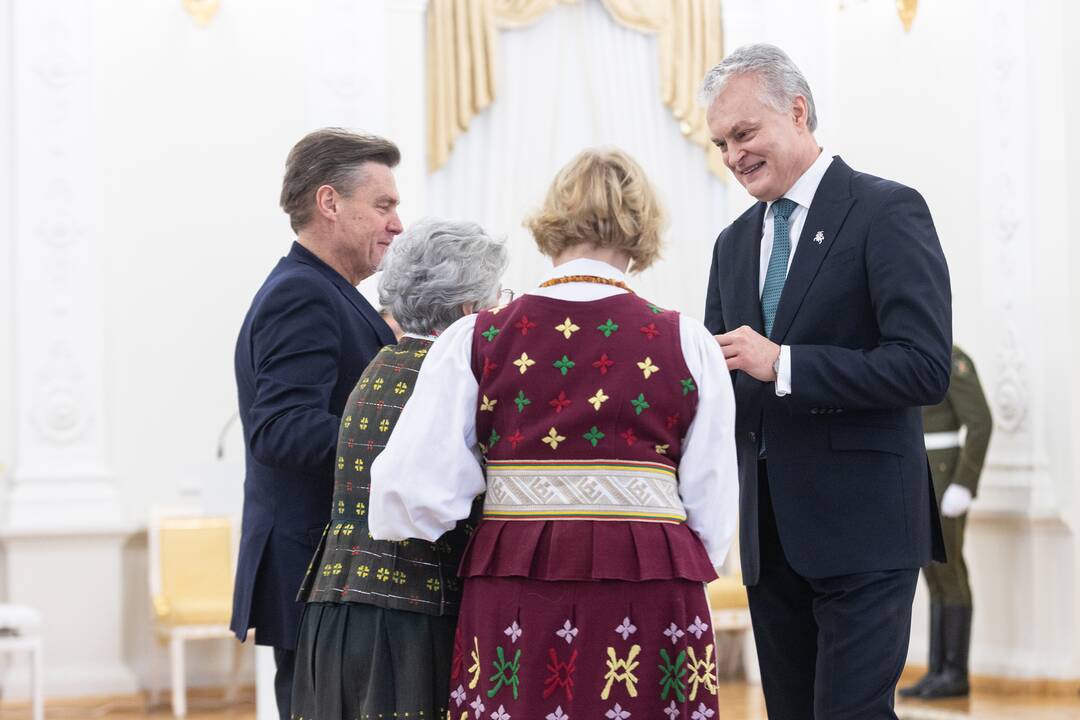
{"x":956,"y":468}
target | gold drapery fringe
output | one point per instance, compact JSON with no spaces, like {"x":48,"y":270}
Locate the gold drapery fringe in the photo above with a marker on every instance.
{"x":461,"y":36}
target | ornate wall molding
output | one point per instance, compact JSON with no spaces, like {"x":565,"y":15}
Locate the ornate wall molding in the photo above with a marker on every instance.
{"x":59,"y":277}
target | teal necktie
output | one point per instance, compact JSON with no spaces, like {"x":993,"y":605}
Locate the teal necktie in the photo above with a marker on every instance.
{"x":778,"y":261}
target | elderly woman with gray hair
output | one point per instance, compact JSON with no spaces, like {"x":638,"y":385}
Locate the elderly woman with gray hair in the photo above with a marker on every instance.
{"x":377,"y":635}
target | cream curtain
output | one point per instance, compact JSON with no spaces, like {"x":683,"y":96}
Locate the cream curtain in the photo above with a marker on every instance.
{"x":461,"y":57}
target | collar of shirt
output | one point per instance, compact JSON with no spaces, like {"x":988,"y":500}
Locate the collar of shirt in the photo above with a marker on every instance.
{"x":581,"y":291}
{"x":802,"y":192}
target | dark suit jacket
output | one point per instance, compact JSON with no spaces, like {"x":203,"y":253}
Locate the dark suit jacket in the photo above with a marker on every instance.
{"x":304,"y":343}
{"x":866,"y":309}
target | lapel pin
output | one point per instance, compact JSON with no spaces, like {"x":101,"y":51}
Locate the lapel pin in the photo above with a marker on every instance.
{"x":820,"y":237}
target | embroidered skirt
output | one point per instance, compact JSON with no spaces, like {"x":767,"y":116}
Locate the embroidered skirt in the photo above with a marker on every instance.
{"x":356,"y":661}
{"x":583,"y":650}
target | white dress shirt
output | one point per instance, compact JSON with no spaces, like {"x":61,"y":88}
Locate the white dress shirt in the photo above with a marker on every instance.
{"x":802,"y":193}
{"x":425,"y":479}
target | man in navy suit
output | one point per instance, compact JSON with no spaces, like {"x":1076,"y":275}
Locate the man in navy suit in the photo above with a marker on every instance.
{"x":830,"y":299}
{"x":304,"y":343}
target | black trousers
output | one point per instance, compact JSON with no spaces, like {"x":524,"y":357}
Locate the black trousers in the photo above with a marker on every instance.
{"x":285,"y":660}
{"x":829,"y":648}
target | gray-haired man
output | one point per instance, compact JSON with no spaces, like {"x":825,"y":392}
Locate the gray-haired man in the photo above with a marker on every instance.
{"x":830,"y":298}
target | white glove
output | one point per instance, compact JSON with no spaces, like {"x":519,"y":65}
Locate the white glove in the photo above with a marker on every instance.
{"x":956,"y":501}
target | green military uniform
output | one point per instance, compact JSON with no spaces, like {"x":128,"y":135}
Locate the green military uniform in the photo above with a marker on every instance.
{"x":951,"y":463}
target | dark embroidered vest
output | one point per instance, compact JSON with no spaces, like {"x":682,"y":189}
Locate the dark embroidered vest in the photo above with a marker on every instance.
{"x":350,"y":566}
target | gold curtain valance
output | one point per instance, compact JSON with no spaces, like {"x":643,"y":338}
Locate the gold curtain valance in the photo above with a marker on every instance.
{"x":461,"y":59}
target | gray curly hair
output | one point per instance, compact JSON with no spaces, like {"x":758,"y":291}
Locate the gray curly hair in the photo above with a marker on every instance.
{"x":434,"y":268}
{"x":780,"y":77}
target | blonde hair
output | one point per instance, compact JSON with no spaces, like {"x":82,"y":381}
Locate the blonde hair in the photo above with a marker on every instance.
{"x":603,"y":198}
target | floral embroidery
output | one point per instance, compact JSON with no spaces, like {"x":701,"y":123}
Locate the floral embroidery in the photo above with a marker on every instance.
{"x":568,"y":328}
{"x":662,"y":449}
{"x":524,"y":325}
{"x":346,"y":422}
{"x":627,"y":628}
{"x":384,"y":425}
{"x":433,"y":584}
{"x":489,"y":367}
{"x":649,"y":331}
{"x":554,"y":438}
{"x":562,"y":675}
{"x":382,"y":574}
{"x":617,"y":713}
{"x":478,"y":706}
{"x":361,"y":508}
{"x":557,"y":715}
{"x":398,"y":577}
{"x":500,"y":714}
{"x":702,"y":713}
{"x":671,"y":711}
{"x":697,"y":628}
{"x":603,"y":363}
{"x":358,"y":465}
{"x":493,"y":438}
{"x":647,"y":367}
{"x":513,"y":631}
{"x":594,"y":436}
{"x":656,"y":310}
{"x":458,"y":696}
{"x":521,"y":401}
{"x":672,"y":420}
{"x":607,"y":328}
{"x":363,"y":571}
{"x":506,"y":672}
{"x":674,"y":633}
{"x":621,"y":670}
{"x":640,"y":404}
{"x":628,"y":436}
{"x":599,"y":399}
{"x":363,"y":423}
{"x":340,"y":463}
{"x":702,"y":672}
{"x":567,"y":632}
{"x":514,"y":438}
{"x":559,"y":402}
{"x":490,"y":333}
{"x":564,"y":365}
{"x":671,"y":680}
{"x":474,"y":655}
{"x":487,"y":405}
{"x":401,"y":388}
{"x":524,"y":363}
{"x":688,"y":386}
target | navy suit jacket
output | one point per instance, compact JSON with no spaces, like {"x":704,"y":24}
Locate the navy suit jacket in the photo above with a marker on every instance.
{"x":866,"y":310}
{"x":304,"y":343}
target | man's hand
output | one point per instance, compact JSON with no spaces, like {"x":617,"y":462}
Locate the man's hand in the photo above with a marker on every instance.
{"x":956,"y":501}
{"x":754,"y":354}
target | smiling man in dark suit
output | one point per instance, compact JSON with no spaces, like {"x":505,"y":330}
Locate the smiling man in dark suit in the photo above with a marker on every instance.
{"x":830,"y":299}
{"x":304,"y":343}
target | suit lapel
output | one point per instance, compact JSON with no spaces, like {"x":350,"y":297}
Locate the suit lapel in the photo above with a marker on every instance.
{"x":301,"y":254}
{"x":746,"y":239}
{"x":828,"y":210}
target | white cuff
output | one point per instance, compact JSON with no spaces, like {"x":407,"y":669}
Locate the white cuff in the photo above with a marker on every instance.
{"x":783,"y":375}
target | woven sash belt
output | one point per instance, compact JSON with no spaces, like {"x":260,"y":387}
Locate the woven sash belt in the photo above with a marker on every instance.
{"x":585,"y":490}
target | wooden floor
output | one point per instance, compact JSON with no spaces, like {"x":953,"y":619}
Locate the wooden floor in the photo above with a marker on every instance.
{"x":738,"y":701}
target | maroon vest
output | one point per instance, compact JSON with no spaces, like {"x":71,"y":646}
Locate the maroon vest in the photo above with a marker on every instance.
{"x":582,"y":410}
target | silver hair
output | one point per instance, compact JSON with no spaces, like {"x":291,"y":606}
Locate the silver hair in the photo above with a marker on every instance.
{"x":780,"y":77}
{"x":434,"y":268}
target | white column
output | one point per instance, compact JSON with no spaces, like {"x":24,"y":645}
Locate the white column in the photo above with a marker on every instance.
{"x":63,"y":533}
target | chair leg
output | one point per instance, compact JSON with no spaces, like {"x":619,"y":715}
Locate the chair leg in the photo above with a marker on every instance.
{"x":750,"y":658}
{"x":232,"y":691}
{"x":37,"y":681}
{"x":179,"y":691}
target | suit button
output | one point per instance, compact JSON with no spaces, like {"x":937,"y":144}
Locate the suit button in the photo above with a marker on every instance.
{"x":753,"y":436}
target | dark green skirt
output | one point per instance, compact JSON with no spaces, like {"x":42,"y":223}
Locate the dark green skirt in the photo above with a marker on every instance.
{"x":363,"y":662}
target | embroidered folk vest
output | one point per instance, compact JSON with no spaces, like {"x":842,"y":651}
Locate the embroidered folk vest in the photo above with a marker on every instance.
{"x":582,"y":409}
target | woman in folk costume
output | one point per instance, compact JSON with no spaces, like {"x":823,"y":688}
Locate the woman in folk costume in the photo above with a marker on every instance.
{"x":377,"y":634}
{"x":605,"y":428}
